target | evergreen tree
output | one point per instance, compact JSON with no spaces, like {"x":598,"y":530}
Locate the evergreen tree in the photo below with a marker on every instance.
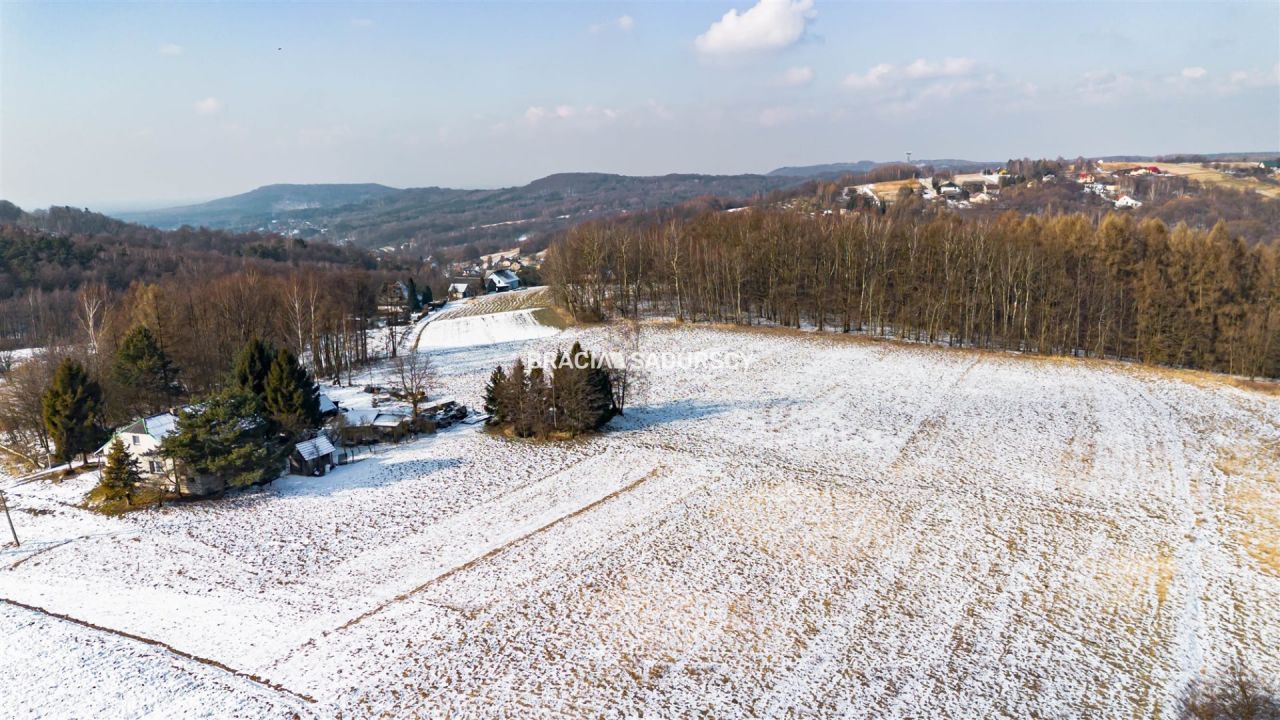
{"x":121,"y":476}
{"x":427,"y":295}
{"x":145,"y":371}
{"x":570,"y":393}
{"x":517,"y":397}
{"x":415,"y":303}
{"x":537,"y":406}
{"x":225,"y":436}
{"x":495,"y":398}
{"x":251,"y":367}
{"x":291,"y":398}
{"x":72,"y":408}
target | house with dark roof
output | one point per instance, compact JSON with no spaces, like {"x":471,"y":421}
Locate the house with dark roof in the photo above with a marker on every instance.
{"x":501,"y":281}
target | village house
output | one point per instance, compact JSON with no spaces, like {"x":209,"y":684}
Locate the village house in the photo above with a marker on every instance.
{"x":142,"y":439}
{"x":1127,"y":202}
{"x":459,"y":290}
{"x":501,"y":281}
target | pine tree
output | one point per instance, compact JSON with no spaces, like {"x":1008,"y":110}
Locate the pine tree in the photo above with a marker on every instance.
{"x":291,"y":398}
{"x":517,"y":398}
{"x":72,"y":408}
{"x":225,"y":436}
{"x":537,"y":406}
{"x":495,"y":398}
{"x":143,"y":368}
{"x":569,"y":388}
{"x":427,"y":295}
{"x":415,"y":304}
{"x":251,"y":367}
{"x":122,"y":475}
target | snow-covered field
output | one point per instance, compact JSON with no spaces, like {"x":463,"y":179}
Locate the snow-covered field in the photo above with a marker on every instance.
{"x":843,"y":529}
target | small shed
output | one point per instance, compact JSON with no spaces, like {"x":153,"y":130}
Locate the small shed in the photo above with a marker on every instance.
{"x":391,"y":426}
{"x":312,"y":457}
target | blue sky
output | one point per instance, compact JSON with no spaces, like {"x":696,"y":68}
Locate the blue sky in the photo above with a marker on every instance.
{"x":116,"y":105}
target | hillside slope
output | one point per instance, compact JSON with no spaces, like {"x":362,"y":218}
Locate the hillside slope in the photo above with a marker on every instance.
{"x":880,"y":530}
{"x":376,"y":216}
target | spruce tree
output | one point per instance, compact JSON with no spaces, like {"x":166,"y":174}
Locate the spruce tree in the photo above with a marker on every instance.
{"x":495,"y":398}
{"x":517,"y":399}
{"x":145,"y":371}
{"x":226,"y":436}
{"x":570,"y":391}
{"x":415,"y":304}
{"x":122,"y":475}
{"x":72,"y":408}
{"x":251,"y":367}
{"x":291,"y":398}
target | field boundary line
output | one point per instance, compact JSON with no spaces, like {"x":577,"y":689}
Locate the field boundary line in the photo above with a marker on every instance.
{"x":164,"y":646}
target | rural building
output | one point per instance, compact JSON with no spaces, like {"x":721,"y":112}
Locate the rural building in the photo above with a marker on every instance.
{"x":142,"y":439}
{"x":312,"y":457}
{"x":1127,"y":202}
{"x":459,"y":290}
{"x":501,"y":281}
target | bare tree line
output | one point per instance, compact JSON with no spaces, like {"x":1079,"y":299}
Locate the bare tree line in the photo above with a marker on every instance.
{"x":1059,"y":284}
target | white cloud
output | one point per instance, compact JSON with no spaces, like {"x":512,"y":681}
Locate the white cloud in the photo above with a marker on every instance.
{"x":919,"y":70}
{"x":362,"y":23}
{"x":208,"y":106}
{"x":170,"y":49}
{"x":623,"y":23}
{"x":769,"y":25}
{"x":586,"y":115}
{"x":800,"y":75}
{"x":1254,"y":78}
{"x":949,"y":67}
{"x":1194,"y":73}
{"x":874,"y":77}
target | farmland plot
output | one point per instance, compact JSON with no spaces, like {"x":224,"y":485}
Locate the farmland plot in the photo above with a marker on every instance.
{"x":839,"y":529}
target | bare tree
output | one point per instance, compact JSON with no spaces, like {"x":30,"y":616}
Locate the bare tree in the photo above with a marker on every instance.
{"x":22,"y":427}
{"x":91,"y":307}
{"x":416,"y":376}
{"x":626,"y":365}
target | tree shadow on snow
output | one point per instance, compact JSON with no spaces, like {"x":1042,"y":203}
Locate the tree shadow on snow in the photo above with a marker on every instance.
{"x":372,"y":471}
{"x":644,"y":417}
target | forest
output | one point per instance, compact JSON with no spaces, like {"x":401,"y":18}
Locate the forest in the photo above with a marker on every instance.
{"x":1054,"y":284}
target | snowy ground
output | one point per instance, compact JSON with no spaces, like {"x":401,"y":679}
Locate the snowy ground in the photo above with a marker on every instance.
{"x":844,"y":529}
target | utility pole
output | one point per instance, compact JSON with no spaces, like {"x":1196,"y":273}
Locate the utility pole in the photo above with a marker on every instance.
{"x":5,"y":503}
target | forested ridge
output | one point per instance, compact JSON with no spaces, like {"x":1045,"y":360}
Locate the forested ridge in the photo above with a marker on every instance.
{"x":52,"y":261}
{"x":1063,"y":284}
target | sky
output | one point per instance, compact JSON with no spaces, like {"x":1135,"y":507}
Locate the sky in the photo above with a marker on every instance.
{"x":132,"y":105}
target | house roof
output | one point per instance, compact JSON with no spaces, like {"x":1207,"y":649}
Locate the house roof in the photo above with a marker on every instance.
{"x":458,"y":287}
{"x":390,"y":420}
{"x":503,"y":277}
{"x":327,"y":405}
{"x":314,"y":448}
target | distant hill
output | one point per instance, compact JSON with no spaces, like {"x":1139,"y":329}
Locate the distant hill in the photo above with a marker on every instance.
{"x":377,"y":216}
{"x":827,"y":170}
{"x":247,"y":210}
{"x":831,"y":171}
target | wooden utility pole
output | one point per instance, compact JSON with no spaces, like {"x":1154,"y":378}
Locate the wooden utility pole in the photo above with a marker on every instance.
{"x":5,"y":503}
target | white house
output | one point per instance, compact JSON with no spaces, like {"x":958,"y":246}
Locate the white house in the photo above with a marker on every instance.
{"x":501,"y":281}
{"x":142,"y":439}
{"x":1127,"y":202}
